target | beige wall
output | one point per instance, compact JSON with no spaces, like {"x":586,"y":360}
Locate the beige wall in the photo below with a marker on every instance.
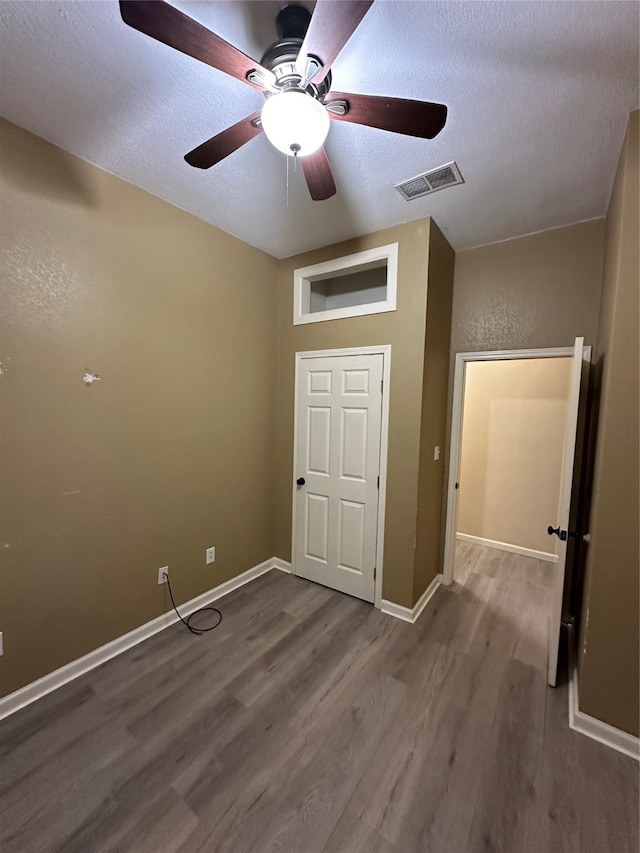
{"x":431,"y":484}
{"x":169,"y":453}
{"x":537,"y":291}
{"x":404,"y":329}
{"x":512,"y":449}
{"x":610,"y":642}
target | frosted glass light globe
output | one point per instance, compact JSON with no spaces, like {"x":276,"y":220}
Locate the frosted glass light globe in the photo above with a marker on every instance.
{"x":294,"y":122}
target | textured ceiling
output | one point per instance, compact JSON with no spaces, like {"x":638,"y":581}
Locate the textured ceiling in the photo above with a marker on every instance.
{"x":538,"y":94}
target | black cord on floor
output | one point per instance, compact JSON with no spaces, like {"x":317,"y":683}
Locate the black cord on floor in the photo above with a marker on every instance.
{"x":198,"y":631}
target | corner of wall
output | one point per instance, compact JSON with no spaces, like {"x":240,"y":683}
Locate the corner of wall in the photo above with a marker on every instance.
{"x":428,"y":555}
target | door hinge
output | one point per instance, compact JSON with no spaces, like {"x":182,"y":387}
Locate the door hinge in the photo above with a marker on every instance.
{"x":375,"y":571}
{"x":378,"y":482}
{"x":381,"y":385}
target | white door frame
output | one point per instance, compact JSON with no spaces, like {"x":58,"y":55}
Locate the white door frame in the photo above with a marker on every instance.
{"x":459,"y":380}
{"x":385,"y":351}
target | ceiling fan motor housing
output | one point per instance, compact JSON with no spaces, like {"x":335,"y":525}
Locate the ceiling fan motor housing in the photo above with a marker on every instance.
{"x":293,"y":22}
{"x":280,"y":57}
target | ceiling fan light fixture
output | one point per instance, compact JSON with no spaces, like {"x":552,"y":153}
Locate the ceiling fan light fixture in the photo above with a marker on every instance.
{"x":295,"y":122}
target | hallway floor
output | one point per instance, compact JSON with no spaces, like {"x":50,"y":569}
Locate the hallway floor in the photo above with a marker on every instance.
{"x":309,"y":721}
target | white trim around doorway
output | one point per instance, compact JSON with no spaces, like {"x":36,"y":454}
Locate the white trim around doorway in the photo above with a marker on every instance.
{"x":459,"y":379}
{"x":385,"y":351}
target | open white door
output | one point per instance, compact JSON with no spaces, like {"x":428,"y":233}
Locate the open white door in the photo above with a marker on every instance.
{"x":564,"y":508}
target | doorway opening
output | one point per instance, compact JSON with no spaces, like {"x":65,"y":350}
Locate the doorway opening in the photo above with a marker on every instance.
{"x":512,"y":457}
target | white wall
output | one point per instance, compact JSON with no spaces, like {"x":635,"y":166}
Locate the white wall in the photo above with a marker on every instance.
{"x":512,"y":445}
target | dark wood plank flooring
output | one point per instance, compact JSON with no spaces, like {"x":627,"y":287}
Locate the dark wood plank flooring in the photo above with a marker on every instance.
{"x":309,"y":722}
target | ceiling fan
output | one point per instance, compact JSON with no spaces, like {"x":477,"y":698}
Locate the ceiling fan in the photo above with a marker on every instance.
{"x":294,"y":75}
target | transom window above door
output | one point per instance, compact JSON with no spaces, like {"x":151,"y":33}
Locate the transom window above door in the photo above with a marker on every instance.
{"x":351,"y":286}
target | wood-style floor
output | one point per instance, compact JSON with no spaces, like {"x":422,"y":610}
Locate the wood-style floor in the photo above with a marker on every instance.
{"x":309,"y":721}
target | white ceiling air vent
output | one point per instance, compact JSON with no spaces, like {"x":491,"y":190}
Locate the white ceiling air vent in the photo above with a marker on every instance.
{"x":437,"y":179}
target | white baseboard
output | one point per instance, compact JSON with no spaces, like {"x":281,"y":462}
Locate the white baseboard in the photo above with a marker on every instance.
{"x":507,"y":546}
{"x":392,"y":609}
{"x":590,"y":726}
{"x":282,"y":565}
{"x":25,"y":695}
{"x":411,"y":614}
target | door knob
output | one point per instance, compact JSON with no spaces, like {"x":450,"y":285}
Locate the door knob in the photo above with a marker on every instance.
{"x":300,"y":481}
{"x":561,"y":534}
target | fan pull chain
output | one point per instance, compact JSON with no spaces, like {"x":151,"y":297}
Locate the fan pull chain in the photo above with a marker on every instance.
{"x":295,"y":148}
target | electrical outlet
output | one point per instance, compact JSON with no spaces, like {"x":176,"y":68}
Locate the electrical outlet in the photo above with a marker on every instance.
{"x":210,"y":555}
{"x":436,"y":453}
{"x":163,"y":574}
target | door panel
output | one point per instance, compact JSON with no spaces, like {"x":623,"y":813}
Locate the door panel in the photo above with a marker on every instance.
{"x":351,"y":535}
{"x":353,"y":458}
{"x":317,"y":527}
{"x":318,"y":442}
{"x":319,"y":382}
{"x":355,"y":382}
{"x":338,"y":427}
{"x":578,"y":379}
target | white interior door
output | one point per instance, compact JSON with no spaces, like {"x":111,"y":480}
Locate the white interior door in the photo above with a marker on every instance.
{"x":336,"y":470}
{"x":564,"y":509}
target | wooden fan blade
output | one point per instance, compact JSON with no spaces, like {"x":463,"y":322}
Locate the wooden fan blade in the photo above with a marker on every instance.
{"x":171,"y":27}
{"x":399,"y":115}
{"x":317,"y":172}
{"x":224,"y":143}
{"x":332,"y":24}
